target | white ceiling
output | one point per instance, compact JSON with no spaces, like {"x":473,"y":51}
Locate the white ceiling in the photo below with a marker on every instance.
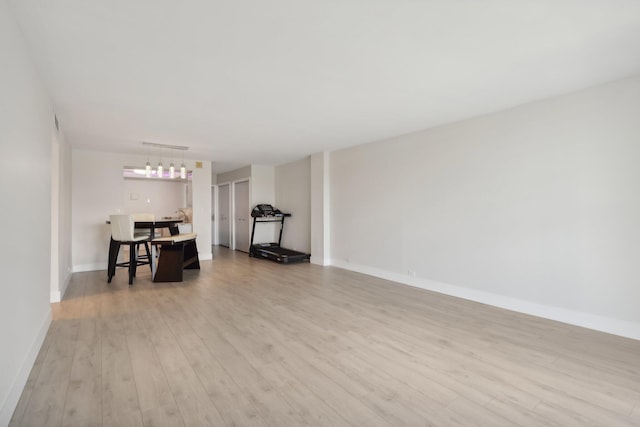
{"x":270,"y":81}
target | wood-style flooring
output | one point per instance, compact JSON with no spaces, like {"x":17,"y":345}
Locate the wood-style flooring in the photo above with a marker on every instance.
{"x":247,"y":342}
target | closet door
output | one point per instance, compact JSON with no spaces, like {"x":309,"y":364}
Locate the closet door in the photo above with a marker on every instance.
{"x":224,"y":225}
{"x":242,"y":216}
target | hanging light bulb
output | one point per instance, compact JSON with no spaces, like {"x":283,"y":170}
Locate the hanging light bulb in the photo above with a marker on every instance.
{"x":147,"y":170}
{"x":183,"y":172}
{"x":172,"y":171}
{"x":160,"y":167}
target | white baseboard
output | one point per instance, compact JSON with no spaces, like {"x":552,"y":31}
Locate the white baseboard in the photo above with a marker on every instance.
{"x":205,"y":257}
{"x":20,"y":380}
{"x":90,"y":267}
{"x":596,"y":322}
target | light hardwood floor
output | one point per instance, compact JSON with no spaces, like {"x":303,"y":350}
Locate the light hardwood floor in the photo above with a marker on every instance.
{"x":248,"y":342}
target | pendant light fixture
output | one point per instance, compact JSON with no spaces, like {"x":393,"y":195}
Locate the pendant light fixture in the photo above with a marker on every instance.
{"x":147,"y":168}
{"x":183,"y":170}
{"x":172,"y":168}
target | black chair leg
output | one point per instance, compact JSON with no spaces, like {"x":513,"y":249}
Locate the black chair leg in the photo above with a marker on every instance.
{"x":114,"y":248}
{"x":134,"y":258}
{"x":132,"y":262}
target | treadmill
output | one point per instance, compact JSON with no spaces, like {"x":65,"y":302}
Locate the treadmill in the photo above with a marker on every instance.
{"x":273,"y":251}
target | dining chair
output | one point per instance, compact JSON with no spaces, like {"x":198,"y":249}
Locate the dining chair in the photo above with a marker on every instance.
{"x":144,"y":217}
{"x":122,"y":233}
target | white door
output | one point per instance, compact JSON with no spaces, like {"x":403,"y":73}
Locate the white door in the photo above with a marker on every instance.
{"x":241,"y":215}
{"x":223,"y":211}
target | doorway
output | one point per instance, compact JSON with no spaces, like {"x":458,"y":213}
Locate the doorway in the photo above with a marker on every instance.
{"x":241,"y":215}
{"x":224,"y":225}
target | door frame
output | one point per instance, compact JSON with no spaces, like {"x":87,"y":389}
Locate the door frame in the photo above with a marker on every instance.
{"x":217,"y":212}
{"x":232,"y":191}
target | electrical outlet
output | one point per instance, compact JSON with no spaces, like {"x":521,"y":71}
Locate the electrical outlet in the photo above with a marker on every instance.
{"x":411,"y":273}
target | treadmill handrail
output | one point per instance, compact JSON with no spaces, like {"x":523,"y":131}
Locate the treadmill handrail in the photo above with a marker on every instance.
{"x":267,"y":219}
{"x":280,"y":215}
{"x":261,"y":219}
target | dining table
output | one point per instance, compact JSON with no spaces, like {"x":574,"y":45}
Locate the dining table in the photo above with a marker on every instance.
{"x":157,"y":224}
{"x":152,"y":226}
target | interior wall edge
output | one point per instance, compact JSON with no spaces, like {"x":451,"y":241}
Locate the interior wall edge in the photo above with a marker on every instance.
{"x":56,"y":296}
{"x":592,"y":321}
{"x":320,"y":261}
{"x":65,"y":284}
{"x":20,"y":380}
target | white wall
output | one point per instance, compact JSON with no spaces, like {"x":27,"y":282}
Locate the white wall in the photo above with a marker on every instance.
{"x":60,"y":216}
{"x":159,"y":197}
{"x":26,"y":127}
{"x":64,"y":223}
{"x":536,"y":208}
{"x":263,"y":191}
{"x":201,"y":184}
{"x":234,"y":175}
{"x":320,"y":224}
{"x":262,"y":185}
{"x":99,"y":189}
{"x":292,"y":188}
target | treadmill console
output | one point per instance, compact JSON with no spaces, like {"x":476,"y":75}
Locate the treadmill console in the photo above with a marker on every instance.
{"x":265,"y":210}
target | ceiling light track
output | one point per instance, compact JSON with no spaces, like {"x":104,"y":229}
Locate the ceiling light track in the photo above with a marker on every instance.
{"x":171,"y":147}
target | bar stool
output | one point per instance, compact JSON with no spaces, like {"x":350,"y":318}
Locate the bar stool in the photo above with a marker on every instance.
{"x":143,"y":217}
{"x":122,"y":234}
